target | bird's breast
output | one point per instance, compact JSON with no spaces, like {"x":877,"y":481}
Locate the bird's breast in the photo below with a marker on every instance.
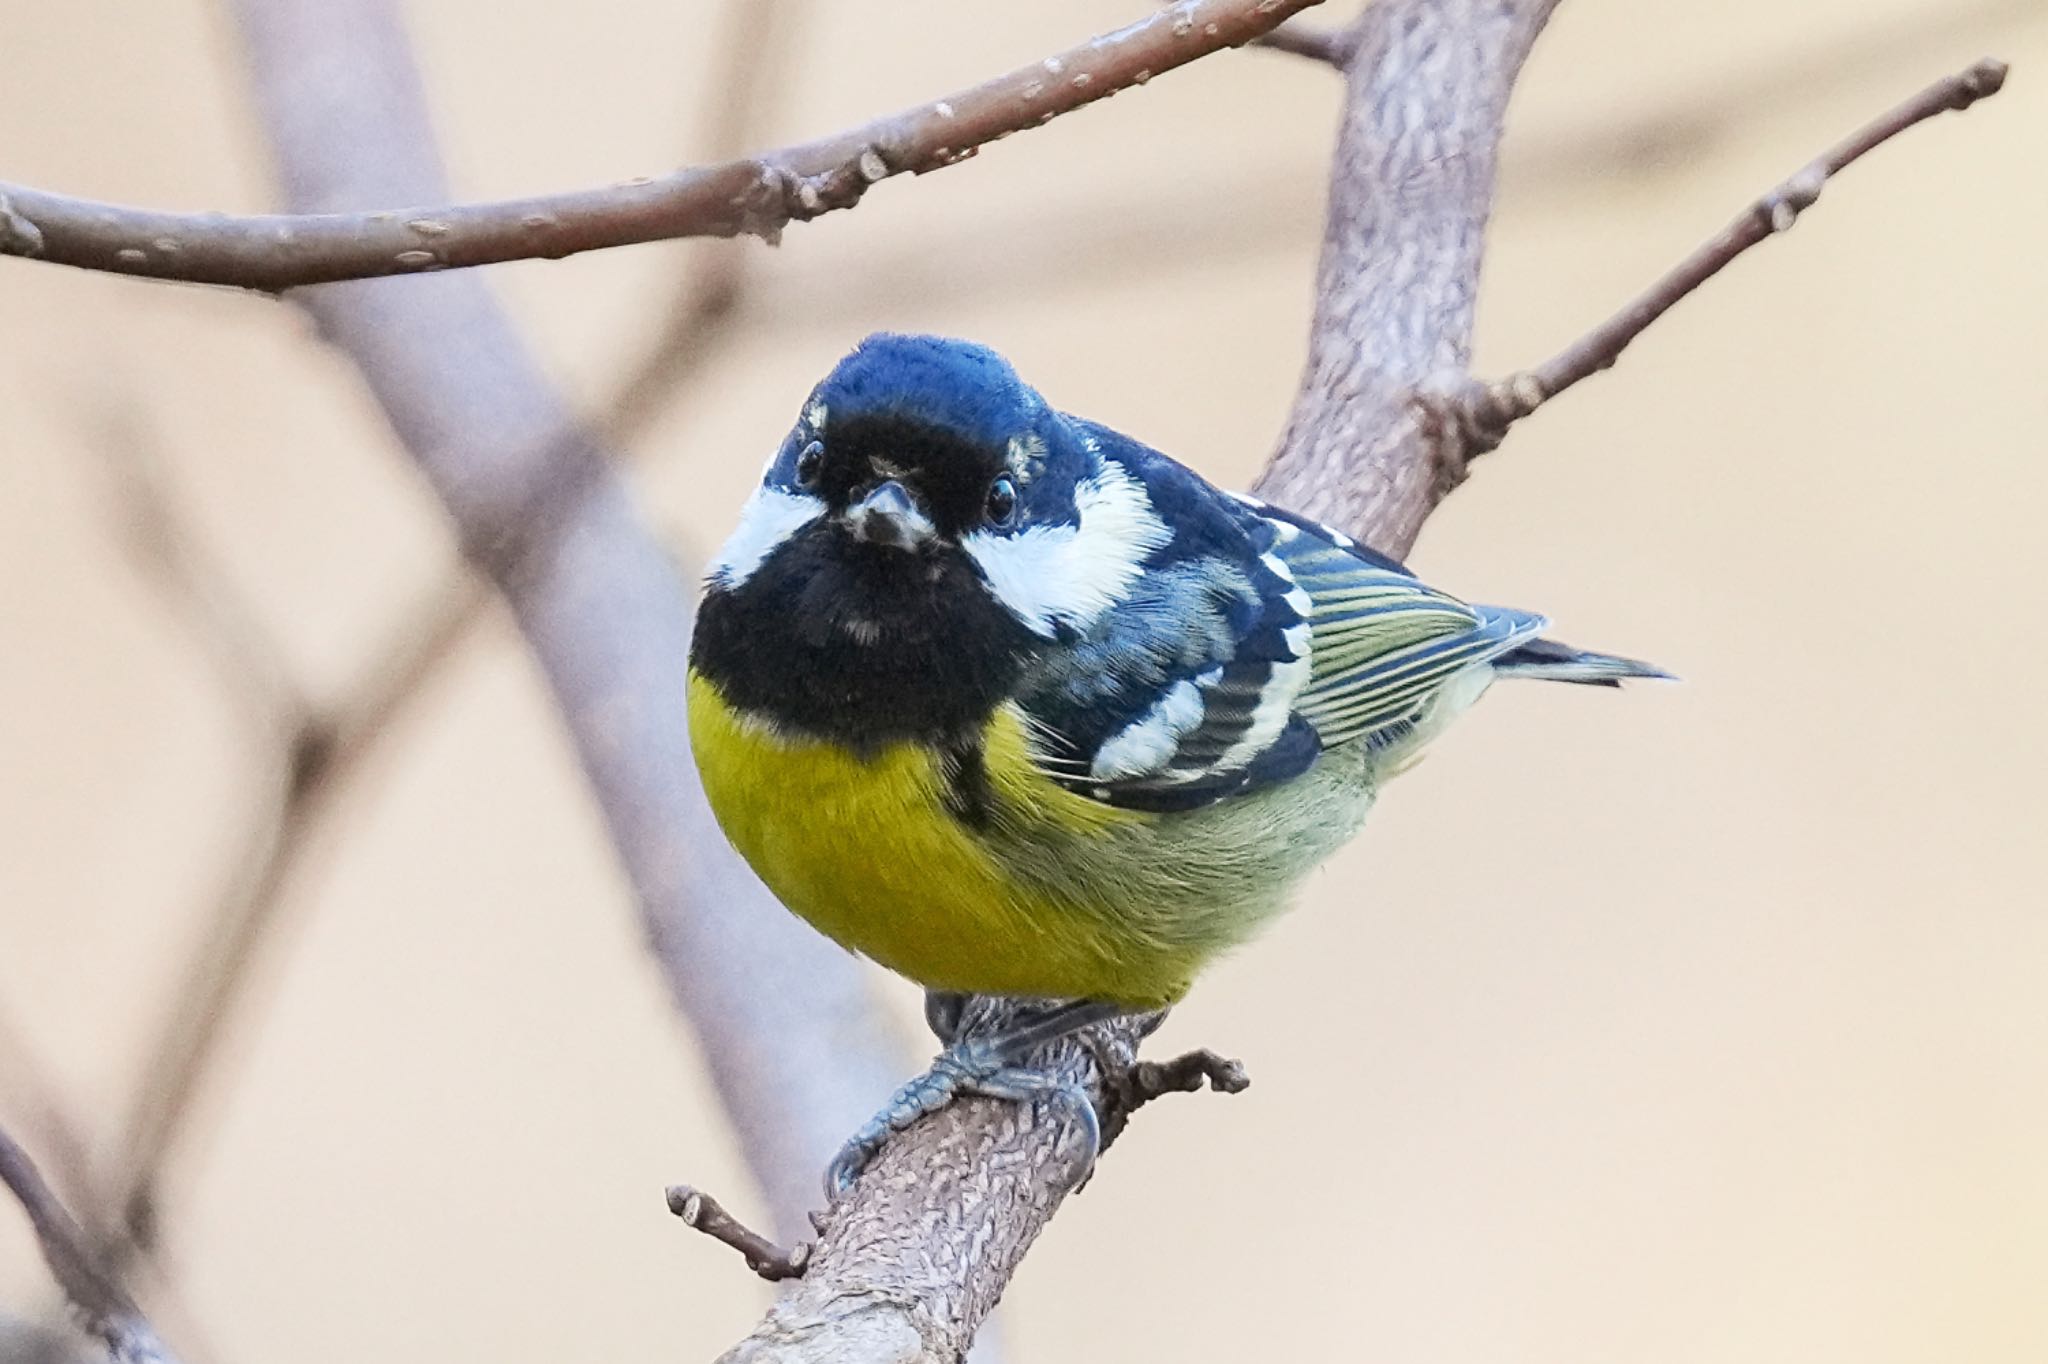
{"x":874,"y":851}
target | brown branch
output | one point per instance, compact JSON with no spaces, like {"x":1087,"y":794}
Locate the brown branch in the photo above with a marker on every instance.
{"x":752,"y":196}
{"x":767,"y":1259}
{"x":104,"y":1308}
{"x":1488,"y":410}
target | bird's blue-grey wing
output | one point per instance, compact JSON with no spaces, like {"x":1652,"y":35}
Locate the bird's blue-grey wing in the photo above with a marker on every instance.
{"x":1252,"y":642}
{"x":1185,"y":691}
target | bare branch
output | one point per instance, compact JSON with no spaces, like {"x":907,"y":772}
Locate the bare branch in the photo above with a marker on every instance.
{"x":321,"y":753}
{"x":1332,"y":46}
{"x":700,"y":1210}
{"x":753,"y":196}
{"x":794,"y":1045}
{"x":1410,"y":196}
{"x":313,"y":753}
{"x":1490,"y":409}
{"x":908,"y":1265}
{"x":319,"y":757}
{"x":104,"y":1308}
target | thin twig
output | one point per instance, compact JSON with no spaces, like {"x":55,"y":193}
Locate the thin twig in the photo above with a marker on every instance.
{"x":1133,"y":1086}
{"x":1332,"y":46}
{"x":104,"y":1308}
{"x":752,"y":196}
{"x":1183,"y":1074}
{"x":700,"y":1210}
{"x":314,"y":751}
{"x":1490,"y":409}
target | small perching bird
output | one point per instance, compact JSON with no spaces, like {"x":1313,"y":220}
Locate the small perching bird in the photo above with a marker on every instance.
{"x":1016,"y":705}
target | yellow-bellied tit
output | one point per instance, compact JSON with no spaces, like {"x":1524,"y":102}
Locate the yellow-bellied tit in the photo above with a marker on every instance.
{"x":1015,"y":705}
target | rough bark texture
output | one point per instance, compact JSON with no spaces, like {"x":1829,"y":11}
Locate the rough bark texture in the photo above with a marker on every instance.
{"x":605,"y":611}
{"x":926,"y":1242}
{"x":1365,"y":446}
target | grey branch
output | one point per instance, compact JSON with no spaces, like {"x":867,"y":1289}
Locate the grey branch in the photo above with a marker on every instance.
{"x":1488,"y":410}
{"x":319,"y":753}
{"x":1331,"y":46}
{"x":103,"y":1307}
{"x":1410,"y":195}
{"x":794,"y":1046}
{"x":752,"y":196}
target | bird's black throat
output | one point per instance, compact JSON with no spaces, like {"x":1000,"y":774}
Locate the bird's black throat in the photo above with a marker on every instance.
{"x":861,"y":644}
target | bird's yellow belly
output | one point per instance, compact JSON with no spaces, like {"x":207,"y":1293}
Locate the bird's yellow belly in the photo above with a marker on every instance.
{"x":867,"y":852}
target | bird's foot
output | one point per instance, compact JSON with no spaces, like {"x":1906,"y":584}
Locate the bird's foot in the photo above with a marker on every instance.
{"x":986,"y":1067}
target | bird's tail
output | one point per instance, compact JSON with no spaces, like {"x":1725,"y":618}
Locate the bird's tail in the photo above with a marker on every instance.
{"x":1552,"y":661}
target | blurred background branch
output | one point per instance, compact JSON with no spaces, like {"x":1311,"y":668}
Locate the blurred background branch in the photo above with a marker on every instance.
{"x":538,"y":504}
{"x":104,"y":1309}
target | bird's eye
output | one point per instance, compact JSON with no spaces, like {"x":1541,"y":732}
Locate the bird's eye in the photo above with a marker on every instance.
{"x":809,"y":462}
{"x":1002,"y":500}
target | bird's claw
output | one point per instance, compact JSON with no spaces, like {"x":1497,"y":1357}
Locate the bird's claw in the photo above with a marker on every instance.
{"x":966,"y":1069}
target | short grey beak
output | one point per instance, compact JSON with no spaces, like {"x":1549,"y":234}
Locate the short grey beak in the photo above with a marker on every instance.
{"x":890,"y":516}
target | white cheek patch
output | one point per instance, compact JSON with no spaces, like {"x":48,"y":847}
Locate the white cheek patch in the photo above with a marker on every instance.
{"x":1047,"y":575}
{"x":770,"y":517}
{"x":1144,"y":745}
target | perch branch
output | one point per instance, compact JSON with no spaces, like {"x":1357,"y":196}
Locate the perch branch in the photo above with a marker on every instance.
{"x":103,"y":1307}
{"x":1488,"y":410}
{"x":703,"y":1212}
{"x":912,"y":1259}
{"x":1409,"y":201}
{"x":751,"y":196}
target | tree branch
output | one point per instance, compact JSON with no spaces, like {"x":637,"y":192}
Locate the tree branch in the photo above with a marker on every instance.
{"x":1488,"y":410}
{"x":793,"y":1044}
{"x":1410,"y":197}
{"x":1331,"y":46}
{"x":104,"y":1308}
{"x":752,"y":196}
{"x":701,"y":1211}
{"x":319,"y":752}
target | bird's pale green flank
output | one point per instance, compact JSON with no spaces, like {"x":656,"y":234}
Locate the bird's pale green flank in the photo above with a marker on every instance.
{"x":1016,"y":705}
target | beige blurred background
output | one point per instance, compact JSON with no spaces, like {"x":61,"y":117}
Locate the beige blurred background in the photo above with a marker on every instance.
{"x":1693,"y":1023}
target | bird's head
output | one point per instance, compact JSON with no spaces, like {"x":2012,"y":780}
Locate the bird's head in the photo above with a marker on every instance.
{"x":929,"y":511}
